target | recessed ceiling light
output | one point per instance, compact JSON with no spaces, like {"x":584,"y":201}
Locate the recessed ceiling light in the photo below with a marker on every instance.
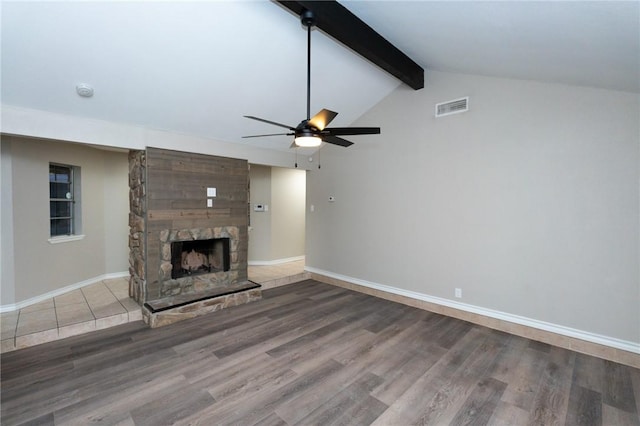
{"x":84,"y":90}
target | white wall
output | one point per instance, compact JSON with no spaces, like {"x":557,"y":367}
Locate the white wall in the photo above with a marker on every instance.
{"x":279,"y":233}
{"x":39,"y":266}
{"x":529,"y":202}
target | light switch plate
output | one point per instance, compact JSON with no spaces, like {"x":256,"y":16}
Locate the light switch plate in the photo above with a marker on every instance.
{"x":211,"y":192}
{"x":209,"y":202}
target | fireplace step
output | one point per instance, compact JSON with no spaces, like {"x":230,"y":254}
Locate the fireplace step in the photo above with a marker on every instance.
{"x":157,"y":313}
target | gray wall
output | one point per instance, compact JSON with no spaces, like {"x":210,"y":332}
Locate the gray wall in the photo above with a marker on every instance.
{"x":528,"y":202}
{"x":260,"y":227}
{"x":288,"y":197}
{"x":40,"y":267}
{"x":278,"y":233}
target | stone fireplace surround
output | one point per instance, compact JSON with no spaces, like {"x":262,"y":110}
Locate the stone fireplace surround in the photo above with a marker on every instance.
{"x":167,"y":195}
{"x":197,"y":283}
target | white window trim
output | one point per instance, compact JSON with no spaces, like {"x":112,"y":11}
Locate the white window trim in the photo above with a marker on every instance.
{"x":65,"y":239}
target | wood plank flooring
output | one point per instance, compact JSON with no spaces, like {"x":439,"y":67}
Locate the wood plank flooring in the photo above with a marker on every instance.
{"x":313,"y":354}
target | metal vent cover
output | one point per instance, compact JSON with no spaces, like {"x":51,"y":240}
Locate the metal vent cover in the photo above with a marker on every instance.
{"x":452,"y":107}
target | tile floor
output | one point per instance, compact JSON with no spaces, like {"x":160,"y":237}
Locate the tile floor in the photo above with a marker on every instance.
{"x":102,"y":305}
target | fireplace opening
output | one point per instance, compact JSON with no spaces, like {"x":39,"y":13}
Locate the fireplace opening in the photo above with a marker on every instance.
{"x":189,"y":258}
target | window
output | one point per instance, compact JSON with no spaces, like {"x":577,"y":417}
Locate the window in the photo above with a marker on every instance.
{"x":63,"y":200}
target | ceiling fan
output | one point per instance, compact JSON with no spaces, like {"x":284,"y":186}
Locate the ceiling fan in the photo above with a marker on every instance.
{"x":313,"y":131}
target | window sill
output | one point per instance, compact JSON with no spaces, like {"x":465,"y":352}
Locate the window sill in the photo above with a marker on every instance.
{"x":65,"y":239}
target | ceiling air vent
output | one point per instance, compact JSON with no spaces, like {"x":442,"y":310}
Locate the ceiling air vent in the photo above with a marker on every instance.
{"x":452,"y":107}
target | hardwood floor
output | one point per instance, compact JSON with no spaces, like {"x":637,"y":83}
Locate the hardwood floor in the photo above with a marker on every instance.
{"x":313,"y":354}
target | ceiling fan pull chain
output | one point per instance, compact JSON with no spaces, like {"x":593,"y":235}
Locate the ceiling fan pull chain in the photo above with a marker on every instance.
{"x":296,"y":157}
{"x":319,"y":161}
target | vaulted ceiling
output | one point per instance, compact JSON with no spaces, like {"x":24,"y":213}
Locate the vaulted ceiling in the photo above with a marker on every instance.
{"x":198,"y":67}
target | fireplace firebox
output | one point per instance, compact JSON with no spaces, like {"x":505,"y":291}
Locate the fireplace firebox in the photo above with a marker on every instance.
{"x":189,"y":258}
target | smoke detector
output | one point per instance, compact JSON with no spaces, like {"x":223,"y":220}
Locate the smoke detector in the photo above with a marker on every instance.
{"x":84,"y":90}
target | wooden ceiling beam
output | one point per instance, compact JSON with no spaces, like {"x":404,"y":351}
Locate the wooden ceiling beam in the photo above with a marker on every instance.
{"x":339,"y":23}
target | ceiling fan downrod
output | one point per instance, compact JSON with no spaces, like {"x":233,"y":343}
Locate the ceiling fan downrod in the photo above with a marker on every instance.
{"x":308,"y":19}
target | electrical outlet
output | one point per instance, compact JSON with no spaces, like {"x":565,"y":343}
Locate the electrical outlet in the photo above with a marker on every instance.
{"x":458,"y":293}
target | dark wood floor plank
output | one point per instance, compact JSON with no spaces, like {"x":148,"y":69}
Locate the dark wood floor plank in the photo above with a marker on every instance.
{"x":401,"y":379}
{"x":44,"y":420}
{"x":635,"y":382}
{"x":351,"y":405}
{"x":114,"y":408}
{"x":359,"y":317}
{"x":173,"y":407}
{"x":449,"y":399}
{"x":311,"y":353}
{"x":585,"y":407}
{"x":263,"y":404}
{"x":351,"y":377}
{"x":552,"y":398}
{"x":248,"y":380}
{"x":508,"y":414}
{"x":618,"y":389}
{"x":615,"y":416}
{"x":410,"y":406}
{"x":481,"y":403}
{"x":271,"y":420}
{"x":589,"y":372}
{"x":511,"y":357}
{"x":524,"y":381}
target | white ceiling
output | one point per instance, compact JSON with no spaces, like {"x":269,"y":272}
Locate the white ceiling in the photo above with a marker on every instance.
{"x":198,"y":67}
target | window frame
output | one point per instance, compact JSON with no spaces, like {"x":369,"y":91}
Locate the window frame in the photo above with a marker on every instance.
{"x":74,"y":227}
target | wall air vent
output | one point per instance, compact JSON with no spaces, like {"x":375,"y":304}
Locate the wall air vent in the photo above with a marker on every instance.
{"x":452,"y":107}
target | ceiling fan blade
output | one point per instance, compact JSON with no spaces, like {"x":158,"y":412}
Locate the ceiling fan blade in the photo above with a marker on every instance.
{"x":270,"y":122}
{"x":352,"y":130}
{"x":322,"y":119}
{"x":270,"y":134}
{"x":336,"y":140}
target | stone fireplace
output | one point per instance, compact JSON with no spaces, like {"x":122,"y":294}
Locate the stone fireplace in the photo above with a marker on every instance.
{"x":188,"y":243}
{"x":197,"y":257}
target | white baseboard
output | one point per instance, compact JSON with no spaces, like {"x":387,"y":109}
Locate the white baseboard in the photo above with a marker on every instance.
{"x":23,"y":304}
{"x":502,"y":316}
{"x":274,"y":262}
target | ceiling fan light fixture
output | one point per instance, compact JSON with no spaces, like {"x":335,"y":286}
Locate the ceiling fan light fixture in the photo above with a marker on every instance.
{"x":308,"y":141}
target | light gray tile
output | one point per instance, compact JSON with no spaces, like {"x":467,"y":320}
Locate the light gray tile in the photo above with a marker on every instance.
{"x":111,"y":321}
{"x":73,"y":314}
{"x":108,"y":309}
{"x":7,"y":345}
{"x":75,"y":329}
{"x":36,"y":338}
{"x":40,"y":306}
{"x":130,"y":305}
{"x":34,"y":322}
{"x":70,"y":298}
{"x":8,"y":323}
